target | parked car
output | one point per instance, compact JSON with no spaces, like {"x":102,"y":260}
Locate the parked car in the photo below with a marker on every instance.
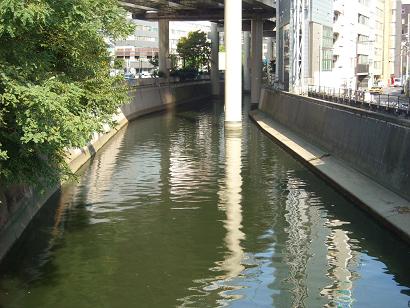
{"x":376,"y":90}
{"x":129,"y":76}
{"x":144,"y":75}
{"x":397,"y":82}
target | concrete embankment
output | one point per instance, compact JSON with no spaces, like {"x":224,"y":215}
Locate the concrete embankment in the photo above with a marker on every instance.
{"x":19,"y":204}
{"x":364,"y":155}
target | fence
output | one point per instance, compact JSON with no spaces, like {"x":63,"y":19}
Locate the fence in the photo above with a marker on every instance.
{"x":386,"y":103}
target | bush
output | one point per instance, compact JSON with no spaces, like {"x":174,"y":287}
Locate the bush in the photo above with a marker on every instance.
{"x":185,"y":73}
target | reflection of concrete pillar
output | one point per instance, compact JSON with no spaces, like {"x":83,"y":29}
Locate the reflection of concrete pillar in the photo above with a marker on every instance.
{"x":215,"y":59}
{"x":163,"y":34}
{"x":233,"y":71}
{"x":247,"y":61}
{"x":257,"y":35}
{"x":230,"y":201}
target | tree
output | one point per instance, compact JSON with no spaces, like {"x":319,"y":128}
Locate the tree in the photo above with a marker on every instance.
{"x":195,"y":50}
{"x":55,"y":88}
{"x":119,"y":64}
{"x":155,"y":63}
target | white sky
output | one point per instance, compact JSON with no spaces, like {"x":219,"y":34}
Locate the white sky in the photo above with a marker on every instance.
{"x":405,"y":1}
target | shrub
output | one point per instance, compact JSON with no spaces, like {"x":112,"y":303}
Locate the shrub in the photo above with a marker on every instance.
{"x":55,"y":88}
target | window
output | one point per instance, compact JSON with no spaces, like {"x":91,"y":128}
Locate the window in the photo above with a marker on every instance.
{"x":145,"y":28}
{"x":327,"y":50}
{"x":362,"y":38}
{"x":145,"y":38}
{"x":364,"y":20}
{"x":377,"y":65}
{"x":362,"y":59}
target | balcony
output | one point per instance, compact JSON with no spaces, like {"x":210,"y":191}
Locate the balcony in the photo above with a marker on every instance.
{"x":362,"y":69}
{"x":363,"y":48}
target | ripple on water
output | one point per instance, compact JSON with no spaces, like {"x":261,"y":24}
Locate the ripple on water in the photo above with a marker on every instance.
{"x":175,"y":211}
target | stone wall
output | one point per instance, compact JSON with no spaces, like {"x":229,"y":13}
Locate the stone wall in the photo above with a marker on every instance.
{"x":375,"y":144}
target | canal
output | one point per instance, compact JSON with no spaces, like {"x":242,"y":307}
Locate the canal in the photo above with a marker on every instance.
{"x":176,"y":212}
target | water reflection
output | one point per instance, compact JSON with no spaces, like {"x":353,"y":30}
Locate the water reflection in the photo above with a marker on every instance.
{"x":297,"y":245}
{"x":230,"y":195}
{"x":340,"y":255}
{"x":179,"y":212}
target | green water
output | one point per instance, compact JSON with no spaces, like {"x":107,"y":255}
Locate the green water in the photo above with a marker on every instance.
{"x":174,"y":212}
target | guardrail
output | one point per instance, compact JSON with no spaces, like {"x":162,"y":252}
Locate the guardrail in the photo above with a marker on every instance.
{"x":385,"y":103}
{"x":159,"y":81}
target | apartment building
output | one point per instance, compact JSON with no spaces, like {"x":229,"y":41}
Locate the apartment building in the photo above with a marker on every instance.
{"x":405,"y":41}
{"x":392,"y":41}
{"x":339,"y":43}
{"x":358,"y":44}
{"x":143,"y":45}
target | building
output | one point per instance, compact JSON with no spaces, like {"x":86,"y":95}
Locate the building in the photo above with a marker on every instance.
{"x":405,"y":42}
{"x":392,"y":41}
{"x":332,"y":43}
{"x":139,"y":48}
{"x":304,"y":42}
{"x":358,"y":43}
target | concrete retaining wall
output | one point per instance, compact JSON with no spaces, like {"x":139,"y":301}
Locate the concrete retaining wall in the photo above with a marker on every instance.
{"x":150,"y":99}
{"x":19,"y":204}
{"x":374,"y":144}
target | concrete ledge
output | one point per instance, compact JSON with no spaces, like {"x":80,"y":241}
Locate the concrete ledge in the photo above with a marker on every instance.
{"x":387,"y":207}
{"x":79,"y":157}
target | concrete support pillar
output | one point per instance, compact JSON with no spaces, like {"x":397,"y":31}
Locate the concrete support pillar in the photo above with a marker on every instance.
{"x":233,"y":71}
{"x":215,"y":59}
{"x":247,"y":61}
{"x":257,"y":36}
{"x":163,"y":34}
{"x":269,"y":42}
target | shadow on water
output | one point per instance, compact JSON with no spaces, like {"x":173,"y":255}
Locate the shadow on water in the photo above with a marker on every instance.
{"x":176,"y":211}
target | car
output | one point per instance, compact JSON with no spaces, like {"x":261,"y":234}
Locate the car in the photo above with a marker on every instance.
{"x":376,"y":90}
{"x":144,"y":75}
{"x":129,"y":76}
{"x":397,"y":82}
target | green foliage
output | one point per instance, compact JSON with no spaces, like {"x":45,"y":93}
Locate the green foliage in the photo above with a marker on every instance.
{"x":155,"y":63}
{"x":174,"y":62}
{"x":119,"y":64}
{"x":185,"y":73}
{"x":55,"y":88}
{"x":195,"y":50}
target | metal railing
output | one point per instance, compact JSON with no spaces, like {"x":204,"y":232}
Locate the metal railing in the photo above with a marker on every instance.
{"x":158,"y":81}
{"x":385,"y":103}
{"x":362,"y":68}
